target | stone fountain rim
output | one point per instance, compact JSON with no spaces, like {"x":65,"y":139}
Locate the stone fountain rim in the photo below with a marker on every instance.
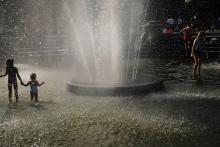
{"x":135,"y":88}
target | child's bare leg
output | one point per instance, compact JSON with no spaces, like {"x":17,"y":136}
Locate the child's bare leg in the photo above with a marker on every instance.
{"x":10,"y":93}
{"x":186,"y":48}
{"x":16,"y":91}
{"x":185,"y":45}
{"x":36,"y":98}
{"x":188,"y":44}
{"x":32,"y":96}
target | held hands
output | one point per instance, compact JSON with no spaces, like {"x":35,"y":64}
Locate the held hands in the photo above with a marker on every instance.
{"x":22,"y":83}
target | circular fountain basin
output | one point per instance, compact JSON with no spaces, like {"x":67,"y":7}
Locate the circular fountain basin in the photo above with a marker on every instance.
{"x":140,"y":86}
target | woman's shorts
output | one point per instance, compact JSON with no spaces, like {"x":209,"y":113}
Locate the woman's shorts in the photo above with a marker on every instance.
{"x":199,"y":54}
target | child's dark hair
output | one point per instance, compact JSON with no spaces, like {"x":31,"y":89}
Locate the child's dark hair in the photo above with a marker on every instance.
{"x":33,"y":76}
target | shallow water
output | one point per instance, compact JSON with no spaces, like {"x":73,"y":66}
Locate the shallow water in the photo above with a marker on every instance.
{"x":186,"y":113}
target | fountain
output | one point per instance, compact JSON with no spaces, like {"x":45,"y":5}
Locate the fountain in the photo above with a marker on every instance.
{"x":106,"y":40}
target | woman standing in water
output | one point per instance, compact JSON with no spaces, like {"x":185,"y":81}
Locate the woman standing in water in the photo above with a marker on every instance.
{"x":198,"y":54}
{"x":13,"y":74}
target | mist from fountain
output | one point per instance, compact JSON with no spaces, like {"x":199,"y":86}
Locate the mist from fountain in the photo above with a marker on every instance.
{"x":104,"y":35}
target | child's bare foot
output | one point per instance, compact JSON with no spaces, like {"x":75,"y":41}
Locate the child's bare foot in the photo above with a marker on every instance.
{"x":10,"y":105}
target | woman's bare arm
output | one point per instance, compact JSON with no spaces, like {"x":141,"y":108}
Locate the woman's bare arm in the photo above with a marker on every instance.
{"x":18,"y":75}
{"x":183,"y":30}
{"x":25,"y":84}
{"x":6,"y":72}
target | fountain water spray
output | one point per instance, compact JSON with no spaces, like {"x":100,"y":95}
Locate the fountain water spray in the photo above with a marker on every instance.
{"x":104,"y":32}
{"x":107,"y":36}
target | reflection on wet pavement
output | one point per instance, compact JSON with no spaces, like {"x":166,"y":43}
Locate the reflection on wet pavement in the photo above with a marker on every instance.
{"x":186,"y":113}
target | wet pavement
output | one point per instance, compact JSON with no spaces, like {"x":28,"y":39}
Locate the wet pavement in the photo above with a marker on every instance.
{"x":186,"y":113}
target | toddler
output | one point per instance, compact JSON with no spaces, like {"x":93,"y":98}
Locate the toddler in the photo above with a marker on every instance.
{"x":34,"y":87}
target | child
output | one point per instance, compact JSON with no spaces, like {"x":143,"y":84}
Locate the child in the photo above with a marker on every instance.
{"x":187,"y":38}
{"x":12,"y":73}
{"x":33,"y":87}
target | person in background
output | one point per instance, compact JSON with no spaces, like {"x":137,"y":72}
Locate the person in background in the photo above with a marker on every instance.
{"x":179,"y":25}
{"x":171,"y":23}
{"x":198,"y":50}
{"x":218,"y":22}
{"x":13,"y":74}
{"x":196,"y":22}
{"x":187,"y":34}
{"x":212,"y":28}
{"x":168,"y":30}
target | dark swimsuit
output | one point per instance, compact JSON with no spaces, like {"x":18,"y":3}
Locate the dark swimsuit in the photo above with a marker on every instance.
{"x":12,"y":79}
{"x":33,"y":86}
{"x":199,"y":48}
{"x":187,"y":35}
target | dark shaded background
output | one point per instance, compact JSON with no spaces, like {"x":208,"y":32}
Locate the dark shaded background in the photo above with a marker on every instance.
{"x":162,"y":9}
{"x":16,"y":16}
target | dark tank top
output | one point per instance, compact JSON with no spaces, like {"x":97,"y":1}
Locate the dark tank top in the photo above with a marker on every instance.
{"x":12,"y":72}
{"x":200,"y":45}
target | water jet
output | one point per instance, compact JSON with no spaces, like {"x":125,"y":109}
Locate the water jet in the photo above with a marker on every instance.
{"x":107,"y":37}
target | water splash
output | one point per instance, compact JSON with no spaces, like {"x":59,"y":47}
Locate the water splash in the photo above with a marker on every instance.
{"x":103,"y":33}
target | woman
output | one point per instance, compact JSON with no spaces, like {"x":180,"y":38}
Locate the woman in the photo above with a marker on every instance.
{"x":13,"y":74}
{"x":198,"y":53}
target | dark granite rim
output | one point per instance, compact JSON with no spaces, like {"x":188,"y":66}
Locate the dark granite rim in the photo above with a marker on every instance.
{"x":138,"y":87}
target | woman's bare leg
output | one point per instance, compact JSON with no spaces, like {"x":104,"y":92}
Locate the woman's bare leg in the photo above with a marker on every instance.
{"x":10,"y":93}
{"x":195,"y":67}
{"x":16,"y":91}
{"x":199,"y":67}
